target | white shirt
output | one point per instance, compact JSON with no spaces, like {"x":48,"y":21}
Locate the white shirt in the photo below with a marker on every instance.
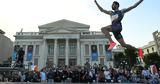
{"x":107,"y":74}
{"x":43,"y":75}
{"x":90,"y":73}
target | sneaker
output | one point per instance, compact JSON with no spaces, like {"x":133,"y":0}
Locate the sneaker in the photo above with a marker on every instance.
{"x":111,"y":45}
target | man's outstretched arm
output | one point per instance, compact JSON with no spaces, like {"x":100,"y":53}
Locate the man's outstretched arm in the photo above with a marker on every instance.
{"x":132,"y":7}
{"x":101,"y":9}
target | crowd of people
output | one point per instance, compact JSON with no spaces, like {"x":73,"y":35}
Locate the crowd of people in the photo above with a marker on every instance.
{"x":84,"y":74}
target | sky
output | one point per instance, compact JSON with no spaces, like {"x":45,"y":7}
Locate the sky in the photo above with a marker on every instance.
{"x":138,"y":24}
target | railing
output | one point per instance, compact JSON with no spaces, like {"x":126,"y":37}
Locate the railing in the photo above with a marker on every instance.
{"x":37,"y":33}
{"x":27,"y":33}
{"x":91,"y":33}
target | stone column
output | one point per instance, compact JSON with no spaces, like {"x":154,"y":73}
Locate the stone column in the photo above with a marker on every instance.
{"x":78,"y":52}
{"x":66,"y":53}
{"x":43,"y":55}
{"x":104,"y":51}
{"x":98,"y":50}
{"x":25,"y":56}
{"x":55,"y":52}
{"x":45,"y":52}
{"x":82,"y":54}
{"x":34,"y":50}
{"x":90,"y":57}
{"x":98,"y":53}
{"x":104,"y":54}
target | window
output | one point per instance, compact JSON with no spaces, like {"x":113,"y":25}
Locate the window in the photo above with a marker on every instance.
{"x":100,"y":49}
{"x":49,"y":62}
{"x":61,"y":62}
{"x":50,"y":49}
{"x":147,"y":50}
{"x":86,"y":33}
{"x":102,"y":61}
{"x":72,"y":49}
{"x":152,"y":49}
{"x":86,"y":49}
{"x":72,"y":62}
{"x":37,"y":50}
{"x":35,"y":61}
{"x":61,"y":49}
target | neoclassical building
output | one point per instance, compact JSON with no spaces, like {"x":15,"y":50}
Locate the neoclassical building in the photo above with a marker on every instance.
{"x":63,"y":42}
{"x":156,"y":36}
{"x":149,"y":48}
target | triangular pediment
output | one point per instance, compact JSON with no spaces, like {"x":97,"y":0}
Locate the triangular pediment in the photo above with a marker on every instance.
{"x":60,"y":30}
{"x":63,"y":26}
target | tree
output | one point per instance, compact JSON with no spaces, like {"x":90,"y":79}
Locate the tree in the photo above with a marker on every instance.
{"x":118,"y":57}
{"x":131,"y":57}
{"x":151,"y":59}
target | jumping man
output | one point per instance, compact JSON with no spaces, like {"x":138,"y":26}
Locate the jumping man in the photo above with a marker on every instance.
{"x":116,"y":26}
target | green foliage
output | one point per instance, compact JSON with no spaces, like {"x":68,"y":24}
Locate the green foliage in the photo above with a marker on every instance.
{"x":131,"y":57}
{"x":151,"y":59}
{"x":118,"y":57}
{"x":128,"y":56}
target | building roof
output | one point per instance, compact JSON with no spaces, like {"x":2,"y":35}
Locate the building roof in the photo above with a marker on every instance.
{"x":150,"y":44}
{"x":64,"y":24}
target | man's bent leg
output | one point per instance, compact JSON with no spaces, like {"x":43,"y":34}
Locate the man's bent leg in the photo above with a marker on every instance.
{"x":106,"y":30}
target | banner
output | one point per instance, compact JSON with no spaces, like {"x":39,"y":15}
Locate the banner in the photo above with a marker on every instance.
{"x":94,"y":53}
{"x":29,"y":52}
{"x":14,"y":56}
{"x":140,"y":53}
{"x":108,"y":53}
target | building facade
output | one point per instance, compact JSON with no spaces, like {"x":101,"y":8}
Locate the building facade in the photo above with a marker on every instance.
{"x":63,"y":42}
{"x":149,"y":48}
{"x":6,"y":46}
{"x":156,"y":36}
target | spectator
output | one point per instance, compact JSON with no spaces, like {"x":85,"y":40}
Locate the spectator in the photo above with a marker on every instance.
{"x":43,"y":75}
{"x":20,"y":57}
{"x":50,"y":76}
{"x":80,"y":74}
{"x":101,"y":76}
{"x":107,"y":75}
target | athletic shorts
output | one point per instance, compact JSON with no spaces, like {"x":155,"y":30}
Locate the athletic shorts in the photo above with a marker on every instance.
{"x":116,"y":29}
